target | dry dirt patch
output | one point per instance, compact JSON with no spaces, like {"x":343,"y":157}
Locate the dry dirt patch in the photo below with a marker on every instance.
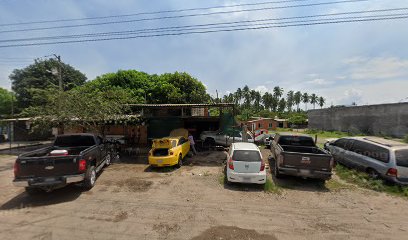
{"x":232,"y":233}
{"x":134,"y":184}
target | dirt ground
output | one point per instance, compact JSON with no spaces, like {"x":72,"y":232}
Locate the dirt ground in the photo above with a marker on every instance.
{"x":133,"y":201}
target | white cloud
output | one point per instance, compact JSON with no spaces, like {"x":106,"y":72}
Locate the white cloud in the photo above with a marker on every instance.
{"x":377,"y":68}
{"x":262,"y":89}
{"x":319,"y":81}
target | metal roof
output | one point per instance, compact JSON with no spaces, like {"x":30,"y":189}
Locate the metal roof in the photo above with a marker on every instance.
{"x":192,"y":105}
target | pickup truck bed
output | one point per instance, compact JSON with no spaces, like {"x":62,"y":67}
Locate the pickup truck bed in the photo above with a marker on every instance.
{"x":298,"y":156}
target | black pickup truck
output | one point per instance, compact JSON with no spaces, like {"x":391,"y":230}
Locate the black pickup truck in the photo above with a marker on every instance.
{"x":298,"y":155}
{"x":75,"y":158}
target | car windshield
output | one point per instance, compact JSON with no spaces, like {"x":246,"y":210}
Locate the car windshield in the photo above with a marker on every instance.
{"x":74,"y":141}
{"x":402,"y":158}
{"x":246,"y":156}
{"x":297,"y":141}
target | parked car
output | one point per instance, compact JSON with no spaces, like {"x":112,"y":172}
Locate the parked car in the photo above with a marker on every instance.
{"x":73,"y":158}
{"x":224,"y":138}
{"x":380,"y":158}
{"x":245,"y":164}
{"x":170,"y":151}
{"x":298,"y":155}
{"x":268,"y":140}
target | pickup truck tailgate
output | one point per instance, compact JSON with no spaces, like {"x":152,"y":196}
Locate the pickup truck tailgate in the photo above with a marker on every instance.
{"x":306,"y":161}
{"x":47,"y":167}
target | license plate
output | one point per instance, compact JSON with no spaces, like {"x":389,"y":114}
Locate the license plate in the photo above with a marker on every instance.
{"x":246,"y":178}
{"x":49,"y":179}
{"x":159,"y":161}
{"x":304,"y":172}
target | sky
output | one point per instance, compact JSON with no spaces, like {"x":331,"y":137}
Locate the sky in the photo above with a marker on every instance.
{"x":365,"y":63}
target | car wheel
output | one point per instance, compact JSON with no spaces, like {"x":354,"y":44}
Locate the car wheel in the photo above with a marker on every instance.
{"x":210,"y":141}
{"x":90,"y":178}
{"x":373,"y":173}
{"x":180,"y":161}
{"x":33,"y":191}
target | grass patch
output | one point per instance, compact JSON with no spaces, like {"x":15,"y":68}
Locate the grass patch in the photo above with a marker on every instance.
{"x":362,"y":179}
{"x":405,"y":139}
{"x":271,"y":187}
{"x":335,"y":185}
{"x":222,"y":179}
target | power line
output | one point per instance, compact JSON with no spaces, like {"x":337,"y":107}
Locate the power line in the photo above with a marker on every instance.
{"x":209,"y":31}
{"x":182,"y":16}
{"x":151,"y":13}
{"x":198,"y":26}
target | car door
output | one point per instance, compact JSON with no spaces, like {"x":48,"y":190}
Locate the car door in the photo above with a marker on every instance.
{"x":360,"y":155}
{"x":338,"y":150}
{"x":220,"y":138}
{"x":401,"y":160}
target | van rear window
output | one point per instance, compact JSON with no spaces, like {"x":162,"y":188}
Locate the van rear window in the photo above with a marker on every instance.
{"x":402,"y":158}
{"x":246,"y":156}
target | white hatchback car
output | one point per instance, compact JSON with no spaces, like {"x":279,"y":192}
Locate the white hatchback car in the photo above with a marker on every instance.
{"x":245,"y":164}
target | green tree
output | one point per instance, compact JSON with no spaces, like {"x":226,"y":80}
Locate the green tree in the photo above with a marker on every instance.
{"x":247,"y":96}
{"x":297,"y":118}
{"x":281,"y":105}
{"x":80,"y":107}
{"x":313,"y":100}
{"x":297,"y":98}
{"x":305,"y":99}
{"x":277,"y":92}
{"x":30,"y":82}
{"x":144,"y":88}
{"x":6,"y":98}
{"x":321,"y":101}
{"x":290,"y":100}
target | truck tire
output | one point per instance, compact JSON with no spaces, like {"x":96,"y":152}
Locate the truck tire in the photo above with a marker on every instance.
{"x":90,"y":178}
{"x":275,"y":171}
{"x":180,"y":162}
{"x":210,"y":141}
{"x":108,"y":160}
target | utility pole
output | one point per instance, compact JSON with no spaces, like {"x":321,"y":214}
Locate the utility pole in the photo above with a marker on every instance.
{"x":59,"y":72}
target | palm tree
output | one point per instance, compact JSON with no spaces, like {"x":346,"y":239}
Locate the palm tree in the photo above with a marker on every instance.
{"x":247,"y":96}
{"x":290,"y":100}
{"x":281,"y":105}
{"x":305,"y":99}
{"x":257,"y":100}
{"x":322,"y":101}
{"x":297,"y":98}
{"x":252,"y":94}
{"x":238,"y":96}
{"x":313,"y":100}
{"x":277,"y":92}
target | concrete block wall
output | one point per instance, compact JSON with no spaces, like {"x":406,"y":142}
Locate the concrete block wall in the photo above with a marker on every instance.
{"x":382,"y":119}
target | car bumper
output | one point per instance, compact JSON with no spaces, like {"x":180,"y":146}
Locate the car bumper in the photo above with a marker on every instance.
{"x":257,"y":178}
{"x":163,"y":161}
{"x":305,"y":173}
{"x":399,"y":181}
{"x":48,"y":181}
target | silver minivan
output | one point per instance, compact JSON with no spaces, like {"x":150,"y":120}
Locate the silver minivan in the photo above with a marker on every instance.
{"x":380,"y":158}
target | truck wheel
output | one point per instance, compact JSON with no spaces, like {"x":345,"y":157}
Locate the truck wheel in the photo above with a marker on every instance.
{"x":90,"y":178}
{"x":276,"y":172}
{"x":180,"y":161}
{"x":108,"y":160}
{"x":210,"y":141}
{"x":33,"y":191}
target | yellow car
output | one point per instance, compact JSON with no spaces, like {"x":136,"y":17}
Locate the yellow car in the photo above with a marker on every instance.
{"x":171,"y":150}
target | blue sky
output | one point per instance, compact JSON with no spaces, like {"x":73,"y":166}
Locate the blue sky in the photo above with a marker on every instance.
{"x":365,"y":63}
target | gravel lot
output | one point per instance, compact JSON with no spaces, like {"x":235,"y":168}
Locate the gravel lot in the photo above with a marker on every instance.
{"x":132,"y":201}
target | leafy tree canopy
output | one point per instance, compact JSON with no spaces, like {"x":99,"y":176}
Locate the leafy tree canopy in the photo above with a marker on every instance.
{"x":166,"y":88}
{"x":6,"y":98}
{"x":30,"y":82}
